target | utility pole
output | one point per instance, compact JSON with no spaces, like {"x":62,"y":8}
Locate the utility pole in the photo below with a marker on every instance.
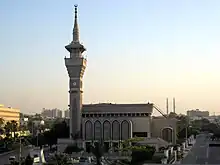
{"x":37,"y":137}
{"x":32,"y":128}
{"x":20,"y":150}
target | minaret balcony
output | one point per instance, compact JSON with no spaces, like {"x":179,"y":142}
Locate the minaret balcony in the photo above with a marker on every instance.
{"x":75,"y":45}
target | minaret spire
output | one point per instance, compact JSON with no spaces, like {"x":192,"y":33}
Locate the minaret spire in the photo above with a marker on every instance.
{"x":76,"y":27}
{"x":75,"y":43}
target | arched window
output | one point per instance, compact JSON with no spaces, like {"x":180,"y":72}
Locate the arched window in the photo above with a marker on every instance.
{"x":116,"y":130}
{"x":97,"y":130}
{"x":88,"y":130}
{"x":107,"y":130}
{"x":167,"y":134}
{"x":125,"y":130}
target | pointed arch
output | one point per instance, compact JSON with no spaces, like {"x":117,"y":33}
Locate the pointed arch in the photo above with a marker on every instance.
{"x":125,"y":130}
{"x":167,"y":134}
{"x":107,"y":130}
{"x":97,"y":130}
{"x":88,"y":130}
{"x":115,"y":130}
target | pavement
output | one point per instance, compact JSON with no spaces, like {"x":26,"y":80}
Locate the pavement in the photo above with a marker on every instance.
{"x":4,"y":158}
{"x":201,"y":153}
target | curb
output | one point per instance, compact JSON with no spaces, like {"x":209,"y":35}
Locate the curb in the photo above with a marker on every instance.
{"x":6,"y":153}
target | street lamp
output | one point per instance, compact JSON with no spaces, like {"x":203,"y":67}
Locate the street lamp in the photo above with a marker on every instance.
{"x":188,"y":126}
{"x":39,"y":130}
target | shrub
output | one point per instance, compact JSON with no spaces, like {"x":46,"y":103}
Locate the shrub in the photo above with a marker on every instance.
{"x":72,"y":148}
{"x":142,"y":154}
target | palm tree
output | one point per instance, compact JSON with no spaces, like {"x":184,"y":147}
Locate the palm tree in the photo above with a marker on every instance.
{"x":2,"y":122}
{"x":1,"y":125}
{"x":14,"y":126}
{"x":8,"y":128}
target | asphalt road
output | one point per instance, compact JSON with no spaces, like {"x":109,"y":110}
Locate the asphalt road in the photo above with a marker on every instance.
{"x":4,"y":159}
{"x":201,"y":153}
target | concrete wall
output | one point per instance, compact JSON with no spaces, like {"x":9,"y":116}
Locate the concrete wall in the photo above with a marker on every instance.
{"x":158,"y":124}
{"x":136,"y":124}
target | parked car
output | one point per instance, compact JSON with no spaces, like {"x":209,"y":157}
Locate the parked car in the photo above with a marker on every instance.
{"x":12,"y":159}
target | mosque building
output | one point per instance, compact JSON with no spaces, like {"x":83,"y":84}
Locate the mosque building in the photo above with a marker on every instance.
{"x":108,"y":122}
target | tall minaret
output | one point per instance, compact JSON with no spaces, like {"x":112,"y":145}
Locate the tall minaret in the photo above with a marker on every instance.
{"x":76,"y":65}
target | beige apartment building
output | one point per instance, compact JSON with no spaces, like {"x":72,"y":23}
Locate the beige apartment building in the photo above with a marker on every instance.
{"x":9,"y":113}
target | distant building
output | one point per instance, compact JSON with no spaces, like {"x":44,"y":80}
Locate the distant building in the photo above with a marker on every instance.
{"x":51,"y":113}
{"x":56,"y":113}
{"x":197,"y":114}
{"x":9,"y":113}
{"x":46,"y":113}
{"x":67,"y":113}
{"x":23,"y":120}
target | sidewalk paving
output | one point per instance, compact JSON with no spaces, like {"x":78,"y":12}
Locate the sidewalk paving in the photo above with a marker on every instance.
{"x":185,"y":153}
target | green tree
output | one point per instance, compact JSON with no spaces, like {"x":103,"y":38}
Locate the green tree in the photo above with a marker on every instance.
{"x":98,"y":151}
{"x":182,"y":126}
{"x":2,"y":122}
{"x":14,"y":126}
{"x":140,"y":154}
{"x":59,"y":130}
{"x":172,"y":115}
{"x":50,"y":138}
{"x":60,"y":159}
{"x":2,"y":125}
{"x":8,"y":129}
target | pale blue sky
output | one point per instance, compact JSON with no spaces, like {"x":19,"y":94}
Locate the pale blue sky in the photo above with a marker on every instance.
{"x":137,"y":51}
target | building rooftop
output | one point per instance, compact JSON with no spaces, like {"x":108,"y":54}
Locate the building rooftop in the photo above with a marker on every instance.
{"x":109,"y":107}
{"x":154,"y":140}
{"x":2,"y":107}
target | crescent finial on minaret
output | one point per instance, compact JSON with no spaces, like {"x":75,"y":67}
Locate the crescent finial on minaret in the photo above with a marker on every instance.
{"x":76,"y":28}
{"x":76,"y":10}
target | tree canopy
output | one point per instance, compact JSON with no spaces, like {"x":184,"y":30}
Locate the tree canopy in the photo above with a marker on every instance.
{"x":59,"y":130}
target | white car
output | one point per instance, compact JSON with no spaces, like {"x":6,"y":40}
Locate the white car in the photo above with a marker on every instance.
{"x":12,"y":159}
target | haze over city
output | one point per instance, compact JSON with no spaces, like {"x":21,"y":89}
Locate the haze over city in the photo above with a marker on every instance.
{"x":137,"y":51}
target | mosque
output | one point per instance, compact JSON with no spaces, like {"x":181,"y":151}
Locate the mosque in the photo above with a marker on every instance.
{"x":109,"y":122}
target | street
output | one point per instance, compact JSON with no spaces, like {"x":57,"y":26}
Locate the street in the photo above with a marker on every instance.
{"x":201,"y":153}
{"x":4,"y":159}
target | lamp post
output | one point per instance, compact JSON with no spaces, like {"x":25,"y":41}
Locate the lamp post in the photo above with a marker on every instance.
{"x":20,"y":149}
{"x":186,"y":132}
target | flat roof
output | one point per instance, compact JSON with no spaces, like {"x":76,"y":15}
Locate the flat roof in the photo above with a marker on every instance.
{"x":3,"y":108}
{"x":109,"y":107}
